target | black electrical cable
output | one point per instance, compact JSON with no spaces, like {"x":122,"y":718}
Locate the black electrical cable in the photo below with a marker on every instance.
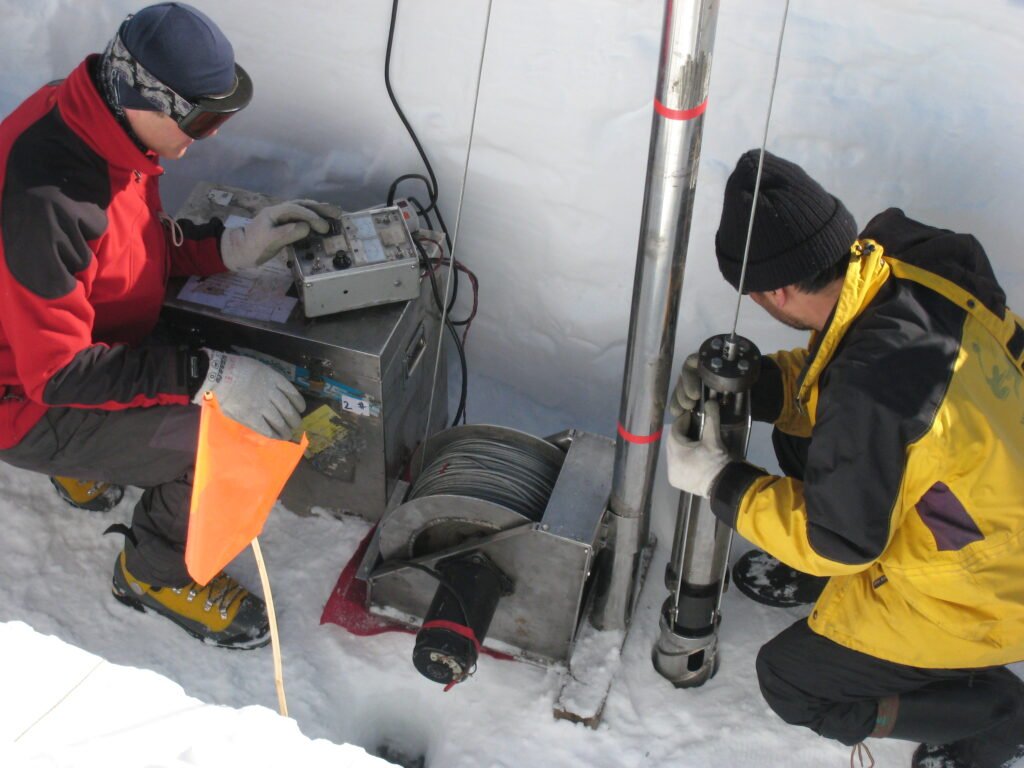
{"x":431,"y":184}
{"x":425,"y":212}
{"x":440,"y":580}
{"x":406,"y":177}
{"x":425,"y":261}
{"x":460,"y":412}
{"x":420,"y":211}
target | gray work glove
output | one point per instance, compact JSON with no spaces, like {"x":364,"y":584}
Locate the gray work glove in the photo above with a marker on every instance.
{"x":687,"y":392}
{"x":254,"y":394}
{"x":272,"y":229}
{"x":693,"y":465}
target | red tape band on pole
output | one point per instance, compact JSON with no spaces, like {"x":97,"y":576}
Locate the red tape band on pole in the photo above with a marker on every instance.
{"x":680,"y":114}
{"x":630,"y":437}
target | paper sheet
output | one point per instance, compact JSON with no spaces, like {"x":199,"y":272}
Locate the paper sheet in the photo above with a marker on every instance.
{"x":259,"y":293}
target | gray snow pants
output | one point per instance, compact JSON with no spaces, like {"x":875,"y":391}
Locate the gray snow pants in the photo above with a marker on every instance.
{"x":151,"y":448}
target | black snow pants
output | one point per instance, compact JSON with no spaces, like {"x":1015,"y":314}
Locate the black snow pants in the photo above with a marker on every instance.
{"x":812,"y":681}
{"x":151,"y":448}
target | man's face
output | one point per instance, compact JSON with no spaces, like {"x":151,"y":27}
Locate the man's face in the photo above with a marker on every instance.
{"x":160,"y":133}
{"x":767,"y":300}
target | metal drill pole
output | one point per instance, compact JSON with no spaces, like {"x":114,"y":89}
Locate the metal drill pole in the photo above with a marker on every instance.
{"x":687,"y":648}
{"x":680,"y":100}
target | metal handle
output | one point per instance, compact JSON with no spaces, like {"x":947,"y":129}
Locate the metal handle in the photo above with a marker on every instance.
{"x":414,"y":352}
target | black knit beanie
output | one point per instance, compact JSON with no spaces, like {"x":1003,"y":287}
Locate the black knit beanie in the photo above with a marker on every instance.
{"x":799,"y":229}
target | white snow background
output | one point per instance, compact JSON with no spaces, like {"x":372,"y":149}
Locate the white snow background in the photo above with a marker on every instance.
{"x":886,"y":102}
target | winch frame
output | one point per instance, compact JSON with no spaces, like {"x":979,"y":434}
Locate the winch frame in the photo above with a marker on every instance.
{"x":550,"y":561}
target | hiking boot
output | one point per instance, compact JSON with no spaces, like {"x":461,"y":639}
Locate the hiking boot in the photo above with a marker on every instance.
{"x":1002,"y":746}
{"x":88,"y":494}
{"x":938,"y":756}
{"x":765,"y":580}
{"x":953,"y":756}
{"x":999,"y":746}
{"x":222,"y":613}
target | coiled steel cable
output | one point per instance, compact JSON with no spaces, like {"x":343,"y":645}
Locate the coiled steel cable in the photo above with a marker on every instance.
{"x":509,"y":475}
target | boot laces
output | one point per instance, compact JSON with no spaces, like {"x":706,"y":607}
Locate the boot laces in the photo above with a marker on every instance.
{"x":222,"y":592}
{"x":860,"y":751}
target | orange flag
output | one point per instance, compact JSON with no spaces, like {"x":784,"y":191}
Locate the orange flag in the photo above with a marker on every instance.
{"x":239,"y":475}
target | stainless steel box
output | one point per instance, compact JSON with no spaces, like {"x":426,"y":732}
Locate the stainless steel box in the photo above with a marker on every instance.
{"x":371,"y":368}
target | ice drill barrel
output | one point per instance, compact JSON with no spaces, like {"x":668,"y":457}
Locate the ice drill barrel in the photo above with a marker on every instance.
{"x":680,"y":97}
{"x":687,"y":649}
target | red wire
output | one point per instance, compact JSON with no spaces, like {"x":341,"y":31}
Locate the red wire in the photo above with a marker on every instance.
{"x":474,"y":283}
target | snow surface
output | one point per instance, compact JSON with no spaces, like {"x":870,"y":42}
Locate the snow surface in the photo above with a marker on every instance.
{"x":886,"y":102}
{"x":72,"y":708}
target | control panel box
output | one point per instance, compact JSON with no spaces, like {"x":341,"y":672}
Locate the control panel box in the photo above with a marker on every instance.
{"x":366,"y":375}
{"x":367,"y":258}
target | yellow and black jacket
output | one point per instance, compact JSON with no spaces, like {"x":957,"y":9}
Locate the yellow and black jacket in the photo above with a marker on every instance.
{"x":913,"y":494}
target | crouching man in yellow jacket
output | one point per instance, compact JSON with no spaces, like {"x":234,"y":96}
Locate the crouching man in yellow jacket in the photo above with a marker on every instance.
{"x":901,"y":429}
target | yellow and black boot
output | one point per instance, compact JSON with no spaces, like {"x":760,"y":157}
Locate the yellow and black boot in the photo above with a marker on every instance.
{"x":222,"y":613}
{"x":88,"y":494}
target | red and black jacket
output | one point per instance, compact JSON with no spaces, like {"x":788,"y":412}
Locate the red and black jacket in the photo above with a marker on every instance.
{"x":84,"y":262}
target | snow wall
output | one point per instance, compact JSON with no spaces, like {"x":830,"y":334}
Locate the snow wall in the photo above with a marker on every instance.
{"x":886,"y":102}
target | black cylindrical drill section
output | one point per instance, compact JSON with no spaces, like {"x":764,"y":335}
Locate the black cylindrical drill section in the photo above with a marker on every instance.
{"x":729,"y":365}
{"x":697,"y":609}
{"x":455,"y":625}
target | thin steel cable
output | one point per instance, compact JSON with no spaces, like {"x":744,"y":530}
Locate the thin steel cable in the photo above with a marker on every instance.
{"x":509,"y":475}
{"x":61,"y":700}
{"x":760,"y":166}
{"x":455,"y":229}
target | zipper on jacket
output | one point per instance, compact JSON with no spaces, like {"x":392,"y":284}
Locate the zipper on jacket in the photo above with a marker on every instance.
{"x":7,"y":393}
{"x":137,"y":175}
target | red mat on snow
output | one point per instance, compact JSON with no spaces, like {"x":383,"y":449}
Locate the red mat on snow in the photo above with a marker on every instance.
{"x":346,"y":606}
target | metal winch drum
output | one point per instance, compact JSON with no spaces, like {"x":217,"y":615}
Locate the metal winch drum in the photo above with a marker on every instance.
{"x":496,"y":539}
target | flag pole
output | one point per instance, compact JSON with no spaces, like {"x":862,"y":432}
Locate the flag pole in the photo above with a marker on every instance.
{"x":275,"y":643}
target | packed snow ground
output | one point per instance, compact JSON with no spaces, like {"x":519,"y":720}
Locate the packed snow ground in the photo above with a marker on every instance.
{"x":885,"y":103}
{"x":54,"y":577}
{"x":361,"y":691}
{"x":72,"y":708}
